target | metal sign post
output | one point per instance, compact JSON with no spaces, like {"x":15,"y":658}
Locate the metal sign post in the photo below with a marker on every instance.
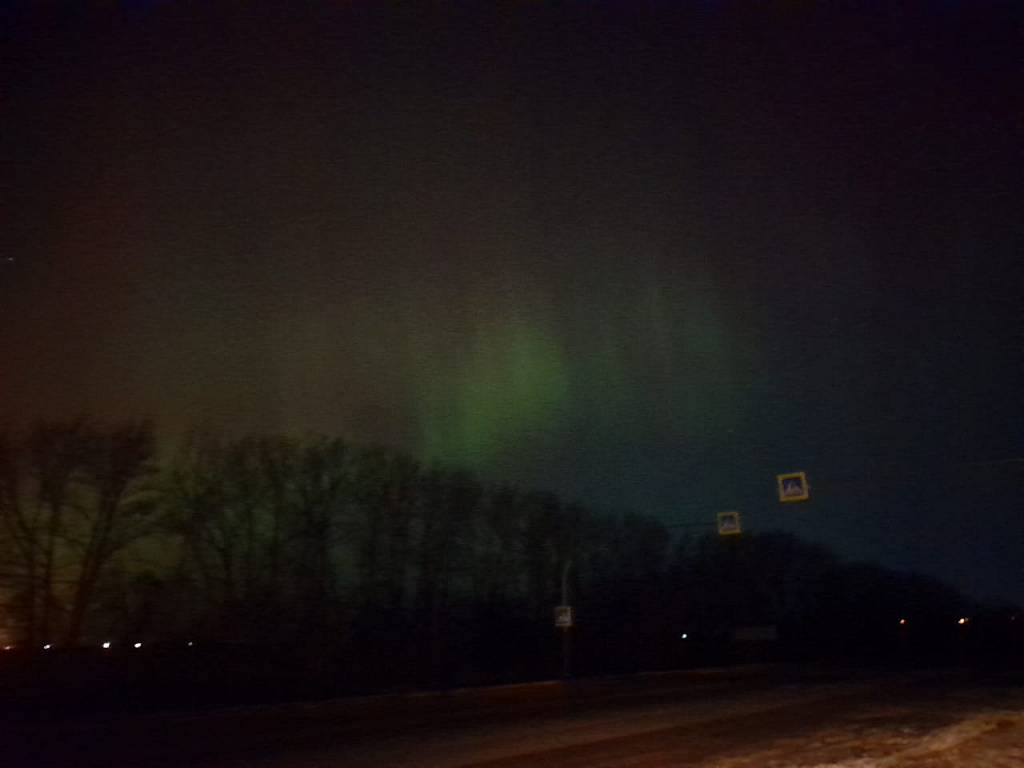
{"x":564,"y":622}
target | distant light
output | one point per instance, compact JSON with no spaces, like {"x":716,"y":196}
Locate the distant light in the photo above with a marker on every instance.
{"x":138,"y":645}
{"x":903,"y":621}
{"x":684,"y":635}
{"x":962,"y":621}
{"x":189,"y":643}
{"x":106,"y":644}
{"x":8,"y":647}
{"x":46,"y":647}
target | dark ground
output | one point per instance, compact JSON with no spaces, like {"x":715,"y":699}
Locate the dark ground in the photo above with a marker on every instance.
{"x":778,"y":715}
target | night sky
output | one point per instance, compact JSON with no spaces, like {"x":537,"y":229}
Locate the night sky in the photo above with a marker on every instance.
{"x":647,"y":255}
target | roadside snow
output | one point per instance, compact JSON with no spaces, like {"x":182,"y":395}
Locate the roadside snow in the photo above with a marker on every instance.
{"x":989,"y":739}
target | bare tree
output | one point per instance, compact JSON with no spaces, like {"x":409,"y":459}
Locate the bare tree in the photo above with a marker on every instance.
{"x":385,"y":496}
{"x":323,"y":492}
{"x":243,"y":509}
{"x":115,"y":508}
{"x":70,"y":500}
{"x":38,"y":473}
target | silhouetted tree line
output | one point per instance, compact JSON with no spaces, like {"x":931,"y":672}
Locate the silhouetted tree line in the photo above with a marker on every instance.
{"x":374,"y":569}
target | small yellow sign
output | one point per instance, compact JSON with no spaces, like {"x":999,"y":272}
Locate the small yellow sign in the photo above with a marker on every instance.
{"x":793,"y":487}
{"x":729,"y":523}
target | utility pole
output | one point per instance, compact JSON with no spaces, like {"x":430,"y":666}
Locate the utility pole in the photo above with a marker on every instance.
{"x":566,"y":626}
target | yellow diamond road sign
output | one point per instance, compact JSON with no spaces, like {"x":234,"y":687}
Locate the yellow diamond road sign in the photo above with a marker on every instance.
{"x":793,"y":487}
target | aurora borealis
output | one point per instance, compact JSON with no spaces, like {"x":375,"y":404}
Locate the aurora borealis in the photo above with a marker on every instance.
{"x":645,"y":255}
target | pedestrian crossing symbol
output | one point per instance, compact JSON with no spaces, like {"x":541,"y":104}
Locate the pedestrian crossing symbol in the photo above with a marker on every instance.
{"x":729,"y":523}
{"x":793,"y":487}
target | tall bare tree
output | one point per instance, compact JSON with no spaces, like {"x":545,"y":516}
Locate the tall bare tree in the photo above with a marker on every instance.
{"x":114,"y":510}
{"x":71,"y":499}
{"x":233,"y":504}
{"x":38,"y":472}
